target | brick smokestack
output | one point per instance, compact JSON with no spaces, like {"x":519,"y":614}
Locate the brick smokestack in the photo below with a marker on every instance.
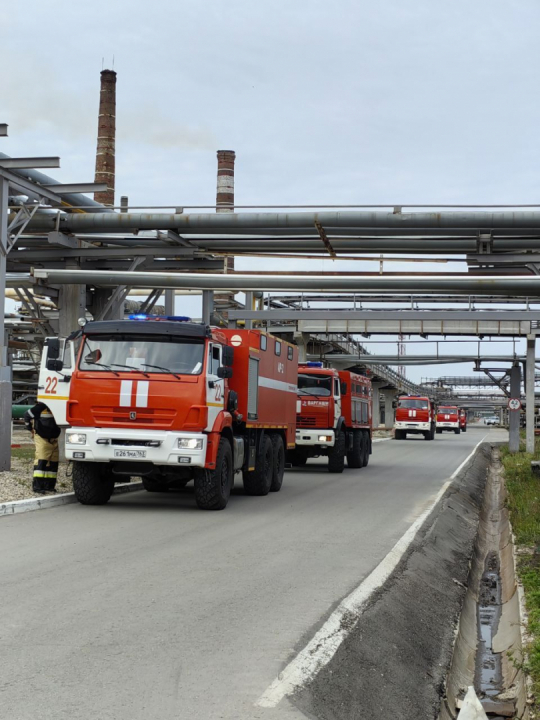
{"x":106,"y":137}
{"x":225,"y":181}
{"x":225,"y":191}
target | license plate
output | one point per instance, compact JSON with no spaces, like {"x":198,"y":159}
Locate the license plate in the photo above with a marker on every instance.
{"x":130,"y":454}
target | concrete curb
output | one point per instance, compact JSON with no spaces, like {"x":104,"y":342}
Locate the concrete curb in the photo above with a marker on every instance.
{"x":21,"y":506}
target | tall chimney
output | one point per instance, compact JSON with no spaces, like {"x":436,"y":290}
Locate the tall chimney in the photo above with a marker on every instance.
{"x":225,"y":181}
{"x":106,"y":137}
{"x":225,"y":191}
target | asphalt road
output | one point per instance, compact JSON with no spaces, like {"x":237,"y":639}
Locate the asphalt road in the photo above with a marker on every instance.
{"x":150,"y":608}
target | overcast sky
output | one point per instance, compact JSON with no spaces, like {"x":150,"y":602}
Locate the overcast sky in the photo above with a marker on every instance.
{"x":353,"y":101}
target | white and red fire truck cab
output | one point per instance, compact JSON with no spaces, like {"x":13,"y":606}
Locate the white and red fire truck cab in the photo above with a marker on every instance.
{"x":415,"y":415}
{"x":172,"y":401}
{"x":334,"y":417}
{"x":448,"y":419}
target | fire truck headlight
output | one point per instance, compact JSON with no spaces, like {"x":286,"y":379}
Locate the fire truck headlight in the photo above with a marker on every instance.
{"x":76,"y":438}
{"x":325,"y":438}
{"x":190,"y":443}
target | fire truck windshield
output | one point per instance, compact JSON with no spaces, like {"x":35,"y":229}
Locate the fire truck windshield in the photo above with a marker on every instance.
{"x":126,"y":353}
{"x":417,"y":404}
{"x":319,"y":385}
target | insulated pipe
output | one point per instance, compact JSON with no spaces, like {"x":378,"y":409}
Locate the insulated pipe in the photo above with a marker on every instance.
{"x":514,"y":285}
{"x":229,"y":222}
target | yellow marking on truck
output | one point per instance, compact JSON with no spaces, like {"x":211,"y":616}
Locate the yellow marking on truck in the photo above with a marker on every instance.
{"x":52,"y":397}
{"x":209,"y":404}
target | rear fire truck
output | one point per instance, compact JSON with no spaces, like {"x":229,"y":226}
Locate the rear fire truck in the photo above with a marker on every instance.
{"x":172,"y":401}
{"x":448,"y":419}
{"x":334,"y":417}
{"x":415,"y":415}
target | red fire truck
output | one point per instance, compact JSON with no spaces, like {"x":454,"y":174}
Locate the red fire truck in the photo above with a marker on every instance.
{"x":334,"y":417}
{"x":463,"y":420}
{"x":448,"y":419}
{"x":415,"y":415}
{"x":172,"y":401}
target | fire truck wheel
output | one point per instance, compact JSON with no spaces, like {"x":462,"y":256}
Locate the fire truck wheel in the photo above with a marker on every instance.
{"x":336,"y":459}
{"x":464,"y":429}
{"x":213,"y":487}
{"x":439,"y":432}
{"x":400,"y":435}
{"x":457,"y":431}
{"x":367,"y":448}
{"x":93,"y":483}
{"x":259,"y":481}
{"x":279,"y":462}
{"x":355,"y":457}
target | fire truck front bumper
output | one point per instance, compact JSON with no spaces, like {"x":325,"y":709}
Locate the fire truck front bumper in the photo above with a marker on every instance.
{"x":181,"y":449}
{"x":324,"y":438}
{"x":447,"y":425}
{"x":411,"y":426}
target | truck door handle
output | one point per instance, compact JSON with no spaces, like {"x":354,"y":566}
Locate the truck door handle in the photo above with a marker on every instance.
{"x":211,"y":384}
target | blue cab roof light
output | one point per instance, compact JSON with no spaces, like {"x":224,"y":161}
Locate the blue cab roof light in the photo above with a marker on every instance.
{"x":312,"y":363}
{"x":174,"y":318}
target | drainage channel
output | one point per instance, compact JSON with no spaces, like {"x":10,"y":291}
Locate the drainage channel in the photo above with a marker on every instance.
{"x":488,"y":680}
{"x":488,"y":634}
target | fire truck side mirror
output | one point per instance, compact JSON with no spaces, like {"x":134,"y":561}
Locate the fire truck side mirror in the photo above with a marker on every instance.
{"x":224,"y":372}
{"x":53,"y":349}
{"x":343,"y":388}
{"x":55,"y":365}
{"x":227,"y":355}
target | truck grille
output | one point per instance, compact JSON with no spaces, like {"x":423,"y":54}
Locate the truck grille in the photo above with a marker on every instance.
{"x":303,"y":421}
{"x":110,"y":416}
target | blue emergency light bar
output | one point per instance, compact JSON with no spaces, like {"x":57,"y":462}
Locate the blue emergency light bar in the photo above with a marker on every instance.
{"x":174,"y":318}
{"x":312,"y":363}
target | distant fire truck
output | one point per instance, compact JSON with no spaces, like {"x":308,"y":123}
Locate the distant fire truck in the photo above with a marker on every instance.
{"x":415,"y":415}
{"x":463,"y":420}
{"x":334,"y":417}
{"x":171,"y":401}
{"x":448,"y":419}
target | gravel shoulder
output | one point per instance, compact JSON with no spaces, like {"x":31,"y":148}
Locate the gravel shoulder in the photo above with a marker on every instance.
{"x":16,"y":484}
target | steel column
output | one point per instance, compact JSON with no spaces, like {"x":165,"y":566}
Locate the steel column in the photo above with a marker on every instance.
{"x":5,"y":370}
{"x":207,"y":306}
{"x":529,"y":391}
{"x":389,"y":395}
{"x":513,"y":422}
{"x":376,"y":398}
{"x":249,"y":306}
{"x":169,"y":302}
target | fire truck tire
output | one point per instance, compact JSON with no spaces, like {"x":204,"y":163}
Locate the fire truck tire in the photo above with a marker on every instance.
{"x":355,"y":457}
{"x":259,"y":481}
{"x":213,"y":487}
{"x":367,"y":441}
{"x":464,"y":429}
{"x":457,"y":431}
{"x":93,"y":483}
{"x":400,"y":435}
{"x":336,"y":459}
{"x":439,"y":432}
{"x":279,"y":463}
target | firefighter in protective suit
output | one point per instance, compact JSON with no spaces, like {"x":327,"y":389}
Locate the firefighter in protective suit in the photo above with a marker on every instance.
{"x":40,"y":422}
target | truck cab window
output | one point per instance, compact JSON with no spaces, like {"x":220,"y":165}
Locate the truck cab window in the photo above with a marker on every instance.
{"x":216,"y":359}
{"x":336,"y":387}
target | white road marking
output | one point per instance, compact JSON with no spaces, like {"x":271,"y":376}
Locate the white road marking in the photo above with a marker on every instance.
{"x":323,"y":646}
{"x":125,"y":393}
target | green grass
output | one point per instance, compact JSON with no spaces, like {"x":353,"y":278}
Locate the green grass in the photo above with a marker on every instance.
{"x":23,"y":453}
{"x":524,"y":504}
